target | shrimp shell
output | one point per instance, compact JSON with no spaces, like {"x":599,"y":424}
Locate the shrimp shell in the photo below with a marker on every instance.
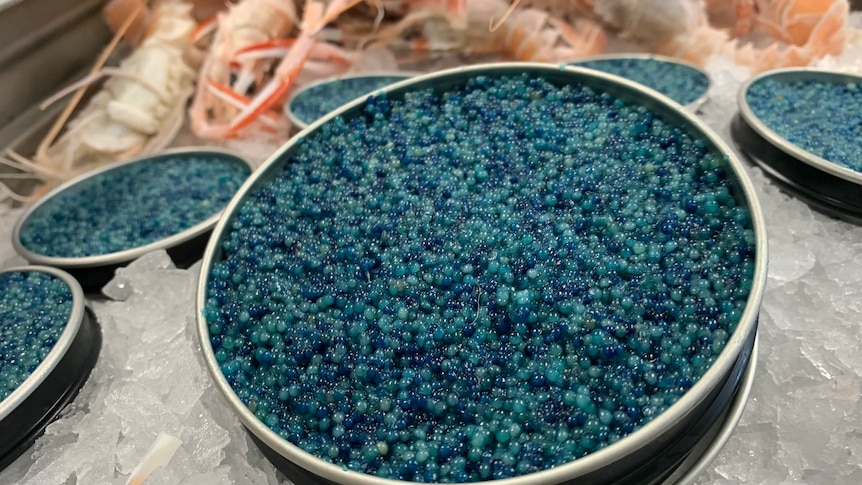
{"x":246,"y":24}
{"x":138,"y":110}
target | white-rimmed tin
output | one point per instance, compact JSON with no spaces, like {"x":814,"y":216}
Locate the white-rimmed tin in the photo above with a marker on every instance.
{"x":93,"y":271}
{"x":827,"y":186}
{"x":693,"y":106}
{"x":618,"y":462}
{"x":35,"y":403}
{"x":336,"y":80}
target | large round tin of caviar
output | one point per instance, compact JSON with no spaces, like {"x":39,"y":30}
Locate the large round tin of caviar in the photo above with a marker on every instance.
{"x":49,"y":343}
{"x":683,"y":82}
{"x":107,"y":218}
{"x":272,"y":362}
{"x":315,"y":100}
{"x":712,"y":442}
{"x":801,"y":127}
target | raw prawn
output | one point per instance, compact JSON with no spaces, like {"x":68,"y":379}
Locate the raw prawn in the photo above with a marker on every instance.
{"x":116,"y":12}
{"x":797,"y":32}
{"x":362,"y":21}
{"x":534,"y":35}
{"x":795,"y":21}
{"x":735,"y":16}
{"x":315,"y":17}
{"x":138,"y":110}
{"x":228,"y":110}
{"x":523,"y":34}
{"x":643,"y":23}
{"x":224,"y":81}
{"x":789,"y":21}
{"x":802,"y":45}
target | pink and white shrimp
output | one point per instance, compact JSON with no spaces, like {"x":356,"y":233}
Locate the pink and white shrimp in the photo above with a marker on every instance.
{"x":800,"y":37}
{"x":138,"y":110}
{"x":535,"y":35}
{"x":522,"y":34}
{"x":316,"y":16}
{"x":793,"y":32}
{"x":224,"y":81}
{"x":735,"y":16}
{"x":247,"y":73}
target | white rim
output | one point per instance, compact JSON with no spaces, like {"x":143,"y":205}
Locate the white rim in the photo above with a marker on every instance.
{"x":734,"y":414}
{"x":655,"y":57}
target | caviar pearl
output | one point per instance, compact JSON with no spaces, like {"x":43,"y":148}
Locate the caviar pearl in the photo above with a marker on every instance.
{"x":34,"y":309}
{"x":449,"y":285}
{"x":817,"y":116}
{"x":679,"y":82}
{"x":133,"y":205}
{"x":318,"y":100}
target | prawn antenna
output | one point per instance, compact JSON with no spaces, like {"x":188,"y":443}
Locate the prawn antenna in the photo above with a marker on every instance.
{"x":493,"y":27}
{"x":381,"y":12}
{"x":103,"y":57}
{"x":7,"y":193}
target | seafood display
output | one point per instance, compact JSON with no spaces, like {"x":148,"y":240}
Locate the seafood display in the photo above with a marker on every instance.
{"x":246,"y":27}
{"x":798,"y":33}
{"x":759,"y":34}
{"x":138,"y":110}
{"x":524,"y":35}
{"x":239,"y":62}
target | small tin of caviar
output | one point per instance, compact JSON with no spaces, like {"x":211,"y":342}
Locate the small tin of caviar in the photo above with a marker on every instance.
{"x":681,"y":81}
{"x":317,"y":99}
{"x":346,"y":304}
{"x":801,"y":127}
{"x":49,"y":344}
{"x":107,"y":218}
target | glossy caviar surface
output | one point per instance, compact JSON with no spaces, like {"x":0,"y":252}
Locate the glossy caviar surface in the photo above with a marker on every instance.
{"x":479,"y":283}
{"x":819,"y":117}
{"x":681,"y":83}
{"x":34,"y":310}
{"x":133,"y":205}
{"x":319,"y":100}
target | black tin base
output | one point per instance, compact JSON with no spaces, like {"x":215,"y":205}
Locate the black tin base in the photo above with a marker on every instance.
{"x":824,"y":192}
{"x":28,"y":421}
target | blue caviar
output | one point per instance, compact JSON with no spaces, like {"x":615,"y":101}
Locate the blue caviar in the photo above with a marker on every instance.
{"x":34,"y":310}
{"x":820,"y":117}
{"x":679,"y":82}
{"x":319,"y":100}
{"x":133,"y":205}
{"x":480,"y":283}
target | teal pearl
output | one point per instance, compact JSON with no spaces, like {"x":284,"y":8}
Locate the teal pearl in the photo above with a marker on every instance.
{"x":679,"y":82}
{"x":132,"y":205}
{"x":479,"y":283}
{"x":34,"y":310}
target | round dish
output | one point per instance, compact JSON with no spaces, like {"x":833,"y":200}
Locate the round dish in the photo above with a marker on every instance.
{"x":828,"y":186}
{"x":335,"y":92}
{"x":647,"y":70}
{"x":36,"y":236}
{"x":40,"y":398}
{"x":708,"y":449}
{"x":616,"y":461}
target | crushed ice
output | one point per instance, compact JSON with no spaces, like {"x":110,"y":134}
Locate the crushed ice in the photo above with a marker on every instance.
{"x":149,"y":380}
